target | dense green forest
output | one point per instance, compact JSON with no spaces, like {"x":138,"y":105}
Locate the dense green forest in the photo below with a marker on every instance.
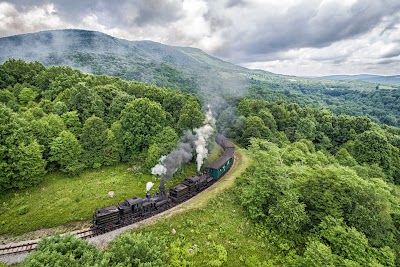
{"x":380,"y":103}
{"x":323,"y":189}
{"x":279,"y":122}
{"x":61,"y":119}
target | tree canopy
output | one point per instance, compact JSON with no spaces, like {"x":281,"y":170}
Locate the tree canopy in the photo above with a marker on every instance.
{"x":58,"y":118}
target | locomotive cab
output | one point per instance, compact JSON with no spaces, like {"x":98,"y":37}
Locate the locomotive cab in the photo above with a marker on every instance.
{"x":106,"y":217}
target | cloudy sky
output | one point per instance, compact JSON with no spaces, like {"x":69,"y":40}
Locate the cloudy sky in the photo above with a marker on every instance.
{"x":299,"y":37}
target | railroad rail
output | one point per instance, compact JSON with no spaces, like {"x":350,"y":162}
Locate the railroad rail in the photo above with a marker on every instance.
{"x":28,"y":246}
{"x":84,"y":233}
{"x":18,"y":248}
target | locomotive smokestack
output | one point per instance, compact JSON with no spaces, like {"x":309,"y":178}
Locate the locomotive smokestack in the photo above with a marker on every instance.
{"x":161,"y":188}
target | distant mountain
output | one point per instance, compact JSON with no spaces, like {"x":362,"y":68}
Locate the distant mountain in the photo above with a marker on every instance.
{"x":188,"y":69}
{"x":193,"y":71}
{"x":363,"y":77}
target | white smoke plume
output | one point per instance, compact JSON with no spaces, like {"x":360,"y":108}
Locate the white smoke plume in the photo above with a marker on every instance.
{"x":149,"y":185}
{"x":182,"y":154}
{"x":159,"y":169}
{"x":203,"y":135}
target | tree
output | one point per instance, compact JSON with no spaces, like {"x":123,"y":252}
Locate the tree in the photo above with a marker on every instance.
{"x":46,"y":129}
{"x":86,"y":102}
{"x":93,"y":141}
{"x":316,"y":254}
{"x":268,"y":119}
{"x":173,"y":103}
{"x":118,"y":133}
{"x":306,"y":129}
{"x":191,"y":116}
{"x":72,"y":122}
{"x":28,"y":164}
{"x":140,"y":120}
{"x":344,"y":158}
{"x":21,"y":162}
{"x":254,"y":127}
{"x":66,"y":151}
{"x":372,"y":147}
{"x":288,"y":215}
{"x":117,"y":105}
{"x":141,"y":250}
{"x":27,"y":95}
{"x":161,"y":144}
{"x":60,"y":108}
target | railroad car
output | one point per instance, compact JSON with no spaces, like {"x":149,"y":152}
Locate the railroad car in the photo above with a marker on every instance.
{"x":136,"y":208}
{"x":219,"y":167}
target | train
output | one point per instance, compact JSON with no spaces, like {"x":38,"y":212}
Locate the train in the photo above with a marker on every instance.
{"x":137,"y":208}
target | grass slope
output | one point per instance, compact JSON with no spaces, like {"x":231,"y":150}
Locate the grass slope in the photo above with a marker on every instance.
{"x":215,"y":217}
{"x":61,"y":200}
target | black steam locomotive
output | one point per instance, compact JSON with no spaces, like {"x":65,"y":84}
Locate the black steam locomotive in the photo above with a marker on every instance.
{"x":137,"y":208}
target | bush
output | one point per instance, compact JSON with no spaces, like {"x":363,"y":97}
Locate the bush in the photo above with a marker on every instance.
{"x":23,"y":210}
{"x":139,"y":250}
{"x":63,"y":251}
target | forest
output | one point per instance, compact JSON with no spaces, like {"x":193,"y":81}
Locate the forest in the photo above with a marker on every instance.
{"x":322,"y":189}
{"x":61,"y":119}
{"x":378,"y":102}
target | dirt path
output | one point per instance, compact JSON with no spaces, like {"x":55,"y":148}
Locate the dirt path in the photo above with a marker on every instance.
{"x":242,"y":161}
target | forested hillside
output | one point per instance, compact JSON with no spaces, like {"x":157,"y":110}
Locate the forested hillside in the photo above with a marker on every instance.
{"x":192,"y":71}
{"x":62,"y":119}
{"x":323,"y":189}
{"x":378,"y":102}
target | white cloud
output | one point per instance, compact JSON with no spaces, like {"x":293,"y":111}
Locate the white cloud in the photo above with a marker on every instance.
{"x":303,"y":37}
{"x":44,"y":17}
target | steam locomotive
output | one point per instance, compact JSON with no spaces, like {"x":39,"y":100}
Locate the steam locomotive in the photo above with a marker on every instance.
{"x":137,"y":208}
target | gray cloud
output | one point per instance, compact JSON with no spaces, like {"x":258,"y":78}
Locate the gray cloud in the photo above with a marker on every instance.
{"x":257,"y":33}
{"x":121,"y":13}
{"x":392,"y":53}
{"x":235,"y":3}
{"x":311,"y":25}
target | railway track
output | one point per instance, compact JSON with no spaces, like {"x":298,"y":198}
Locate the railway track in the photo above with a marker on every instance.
{"x":31,"y":245}
{"x":84,"y":233}
{"x":28,"y":246}
{"x":18,"y":248}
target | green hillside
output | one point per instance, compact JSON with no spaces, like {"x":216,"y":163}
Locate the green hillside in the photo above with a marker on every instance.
{"x":192,"y":71}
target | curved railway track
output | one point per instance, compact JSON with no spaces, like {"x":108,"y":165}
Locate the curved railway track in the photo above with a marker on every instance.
{"x":27,"y":246}
{"x":85,"y":233}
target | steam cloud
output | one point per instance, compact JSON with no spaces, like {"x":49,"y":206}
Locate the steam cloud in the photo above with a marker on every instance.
{"x":182,"y":154}
{"x":169,"y":164}
{"x":149,"y":185}
{"x":203,"y":135}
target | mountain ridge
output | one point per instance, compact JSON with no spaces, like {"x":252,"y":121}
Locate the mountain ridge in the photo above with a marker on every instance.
{"x":363,"y":77}
{"x":184,"y":68}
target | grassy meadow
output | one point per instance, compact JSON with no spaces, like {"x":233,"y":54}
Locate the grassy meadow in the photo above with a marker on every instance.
{"x":61,"y":199}
{"x":221,"y":222}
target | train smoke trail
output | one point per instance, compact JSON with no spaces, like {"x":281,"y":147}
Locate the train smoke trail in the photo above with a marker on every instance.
{"x":182,"y":154}
{"x":149,"y":185}
{"x":203,"y":135}
{"x":169,"y":164}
